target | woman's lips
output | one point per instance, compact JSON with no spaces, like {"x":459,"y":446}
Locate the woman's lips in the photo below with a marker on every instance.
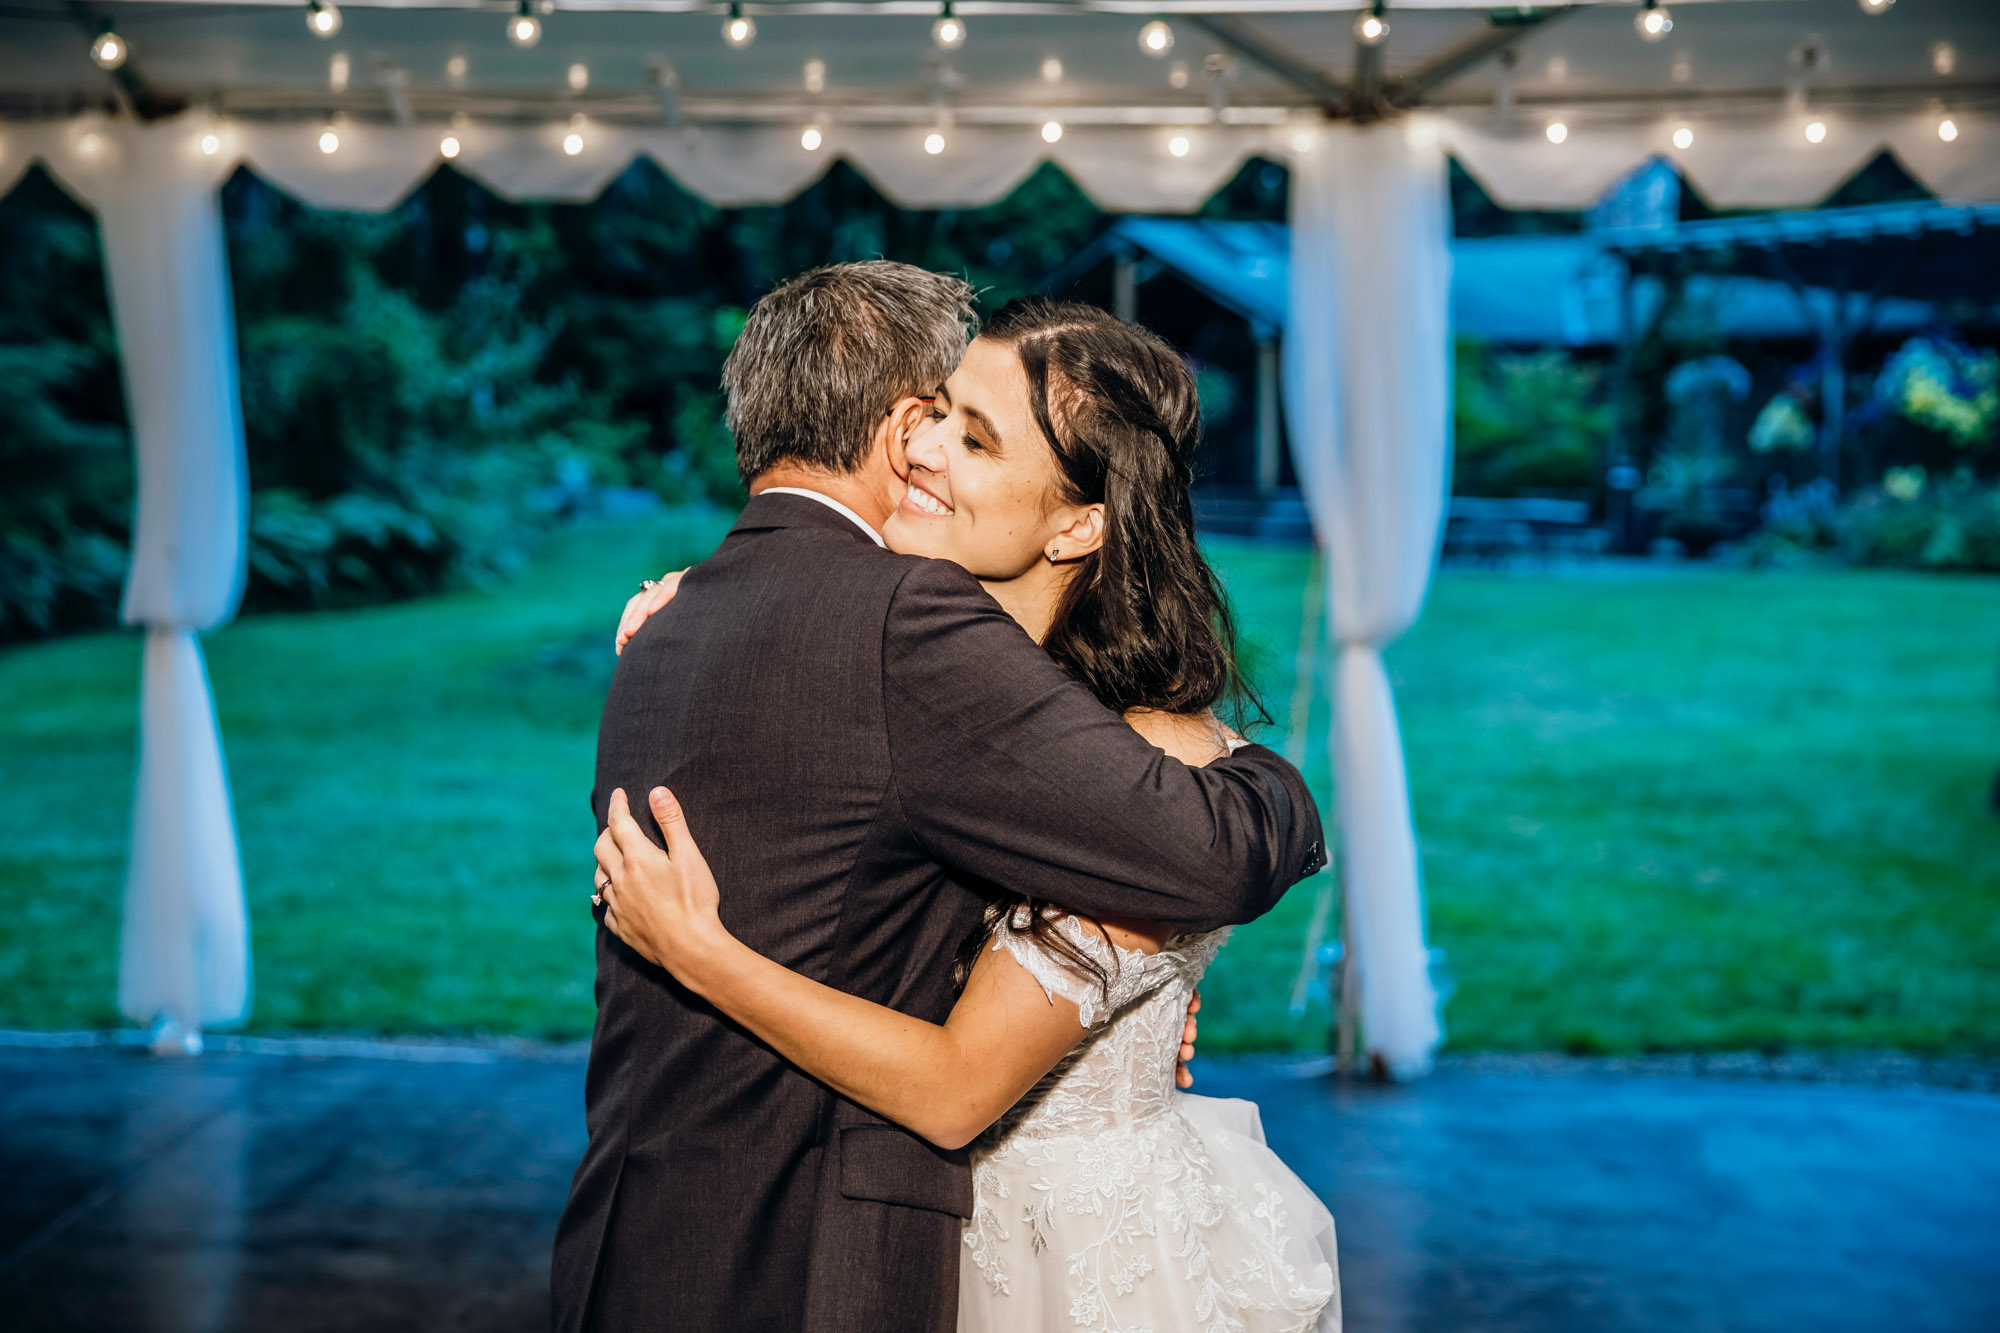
{"x":925,"y":503}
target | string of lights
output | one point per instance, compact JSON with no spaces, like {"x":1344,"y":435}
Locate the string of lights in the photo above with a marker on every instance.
{"x":949,"y":33}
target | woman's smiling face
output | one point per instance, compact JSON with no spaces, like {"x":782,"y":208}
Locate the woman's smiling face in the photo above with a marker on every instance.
{"x":984,"y":491}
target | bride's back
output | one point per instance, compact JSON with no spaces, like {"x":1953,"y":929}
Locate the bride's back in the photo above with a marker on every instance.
{"x":1109,"y":1200}
{"x":1122,"y":1074}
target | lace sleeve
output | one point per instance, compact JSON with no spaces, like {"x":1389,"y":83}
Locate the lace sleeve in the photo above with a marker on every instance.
{"x":1057,"y":975}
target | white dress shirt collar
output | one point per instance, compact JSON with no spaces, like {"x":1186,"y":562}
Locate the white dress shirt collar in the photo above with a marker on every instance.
{"x":830,"y":503}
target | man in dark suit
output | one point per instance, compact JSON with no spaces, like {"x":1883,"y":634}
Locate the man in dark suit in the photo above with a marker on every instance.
{"x":862,"y":739}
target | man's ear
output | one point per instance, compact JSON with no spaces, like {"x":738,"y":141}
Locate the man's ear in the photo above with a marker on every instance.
{"x":1083,"y":534}
{"x":902,"y":422}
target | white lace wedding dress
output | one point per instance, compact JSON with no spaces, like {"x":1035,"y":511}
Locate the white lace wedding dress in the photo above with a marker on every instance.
{"x":1109,"y":1200}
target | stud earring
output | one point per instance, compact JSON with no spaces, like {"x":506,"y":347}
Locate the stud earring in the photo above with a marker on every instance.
{"x":1055,"y":553}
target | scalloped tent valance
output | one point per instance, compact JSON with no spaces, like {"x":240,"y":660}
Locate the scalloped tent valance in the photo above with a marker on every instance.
{"x":1745,"y":163}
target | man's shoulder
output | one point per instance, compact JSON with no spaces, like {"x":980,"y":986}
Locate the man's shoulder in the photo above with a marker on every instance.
{"x":928,"y":589}
{"x":816,"y":547}
{"x":792,"y":571}
{"x":939,"y":579}
{"x":941,"y":619}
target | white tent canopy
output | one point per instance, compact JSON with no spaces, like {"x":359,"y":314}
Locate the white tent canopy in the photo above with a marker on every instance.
{"x":659,"y":79}
{"x":1758,"y":102}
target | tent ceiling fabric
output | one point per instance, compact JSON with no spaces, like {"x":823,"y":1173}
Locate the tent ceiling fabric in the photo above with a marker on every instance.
{"x":884,"y":54}
{"x":261,"y":81}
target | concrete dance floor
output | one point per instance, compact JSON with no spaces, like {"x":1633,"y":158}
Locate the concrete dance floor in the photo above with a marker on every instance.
{"x":259,"y":1190}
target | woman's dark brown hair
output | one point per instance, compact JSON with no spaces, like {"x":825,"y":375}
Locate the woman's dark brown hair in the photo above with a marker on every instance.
{"x":1143,"y":621}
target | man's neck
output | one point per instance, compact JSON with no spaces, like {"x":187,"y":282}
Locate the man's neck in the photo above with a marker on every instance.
{"x":852,"y":490}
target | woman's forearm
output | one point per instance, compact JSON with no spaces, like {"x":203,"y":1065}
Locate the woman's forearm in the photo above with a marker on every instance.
{"x":946,"y":1082}
{"x":926,"y":1077}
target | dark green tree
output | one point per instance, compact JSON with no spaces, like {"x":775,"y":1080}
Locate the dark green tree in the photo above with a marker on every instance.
{"x":66,"y":497}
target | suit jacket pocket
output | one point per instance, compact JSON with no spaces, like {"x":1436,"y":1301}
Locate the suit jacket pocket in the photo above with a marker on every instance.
{"x":884,"y":1164}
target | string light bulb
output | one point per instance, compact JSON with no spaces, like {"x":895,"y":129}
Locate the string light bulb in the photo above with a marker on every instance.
{"x":449,"y":146}
{"x":1948,"y":129}
{"x":811,"y":139}
{"x":211,"y":144}
{"x":329,"y":141}
{"x":1683,"y":138}
{"x":815,"y":74}
{"x":738,"y":30}
{"x":323,"y":19}
{"x":1816,"y":131}
{"x":573,"y":141}
{"x":1372,"y":28}
{"x":1156,"y":38}
{"x":579,"y":78}
{"x":934,"y":142}
{"x":1051,"y":131}
{"x":1557,"y":131}
{"x":1653,"y":22}
{"x":1876,"y":6}
{"x":1944,"y":59}
{"x":524,"y":29}
{"x":1179,"y":145}
{"x":1052,"y":70}
{"x":109,"y":50}
{"x":949,"y":30}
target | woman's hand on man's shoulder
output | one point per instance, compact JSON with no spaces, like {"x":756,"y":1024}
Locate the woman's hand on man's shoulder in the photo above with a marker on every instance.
{"x":652,"y":595}
{"x":1193,"y":738}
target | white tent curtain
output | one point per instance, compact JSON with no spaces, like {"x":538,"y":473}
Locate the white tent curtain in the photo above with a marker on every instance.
{"x":184,"y":951}
{"x":1368,"y":399}
{"x":185,"y":947}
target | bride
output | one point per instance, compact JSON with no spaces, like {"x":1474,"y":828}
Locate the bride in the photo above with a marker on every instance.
{"x":1056,"y":469}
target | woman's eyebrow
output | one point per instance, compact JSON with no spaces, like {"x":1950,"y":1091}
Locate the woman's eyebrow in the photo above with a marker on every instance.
{"x":985,"y":423}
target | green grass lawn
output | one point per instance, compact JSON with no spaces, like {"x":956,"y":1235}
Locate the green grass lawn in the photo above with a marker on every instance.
{"x":1669,"y":810}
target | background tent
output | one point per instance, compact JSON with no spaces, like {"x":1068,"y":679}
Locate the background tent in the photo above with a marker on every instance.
{"x":1759,"y":103}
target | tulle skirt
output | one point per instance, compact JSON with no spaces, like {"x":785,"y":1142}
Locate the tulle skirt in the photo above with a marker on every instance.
{"x":1187,"y":1221}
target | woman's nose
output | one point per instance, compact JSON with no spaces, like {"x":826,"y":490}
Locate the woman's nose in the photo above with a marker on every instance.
{"x":926,"y":447}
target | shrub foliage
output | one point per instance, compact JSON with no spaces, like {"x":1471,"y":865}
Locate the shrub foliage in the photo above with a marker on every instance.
{"x":424,"y":390}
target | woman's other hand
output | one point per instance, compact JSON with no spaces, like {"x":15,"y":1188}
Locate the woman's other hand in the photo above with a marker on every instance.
{"x":662,"y":903}
{"x":644,"y":602}
{"x":1183,"y":1076}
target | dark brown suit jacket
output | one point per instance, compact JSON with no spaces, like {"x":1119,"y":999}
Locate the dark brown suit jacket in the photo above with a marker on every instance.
{"x":861,"y":740}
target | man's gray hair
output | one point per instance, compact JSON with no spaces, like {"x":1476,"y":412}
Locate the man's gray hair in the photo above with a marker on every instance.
{"x":823,"y":358}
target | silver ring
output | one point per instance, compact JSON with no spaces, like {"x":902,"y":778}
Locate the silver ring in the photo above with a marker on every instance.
{"x":647,"y":585}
